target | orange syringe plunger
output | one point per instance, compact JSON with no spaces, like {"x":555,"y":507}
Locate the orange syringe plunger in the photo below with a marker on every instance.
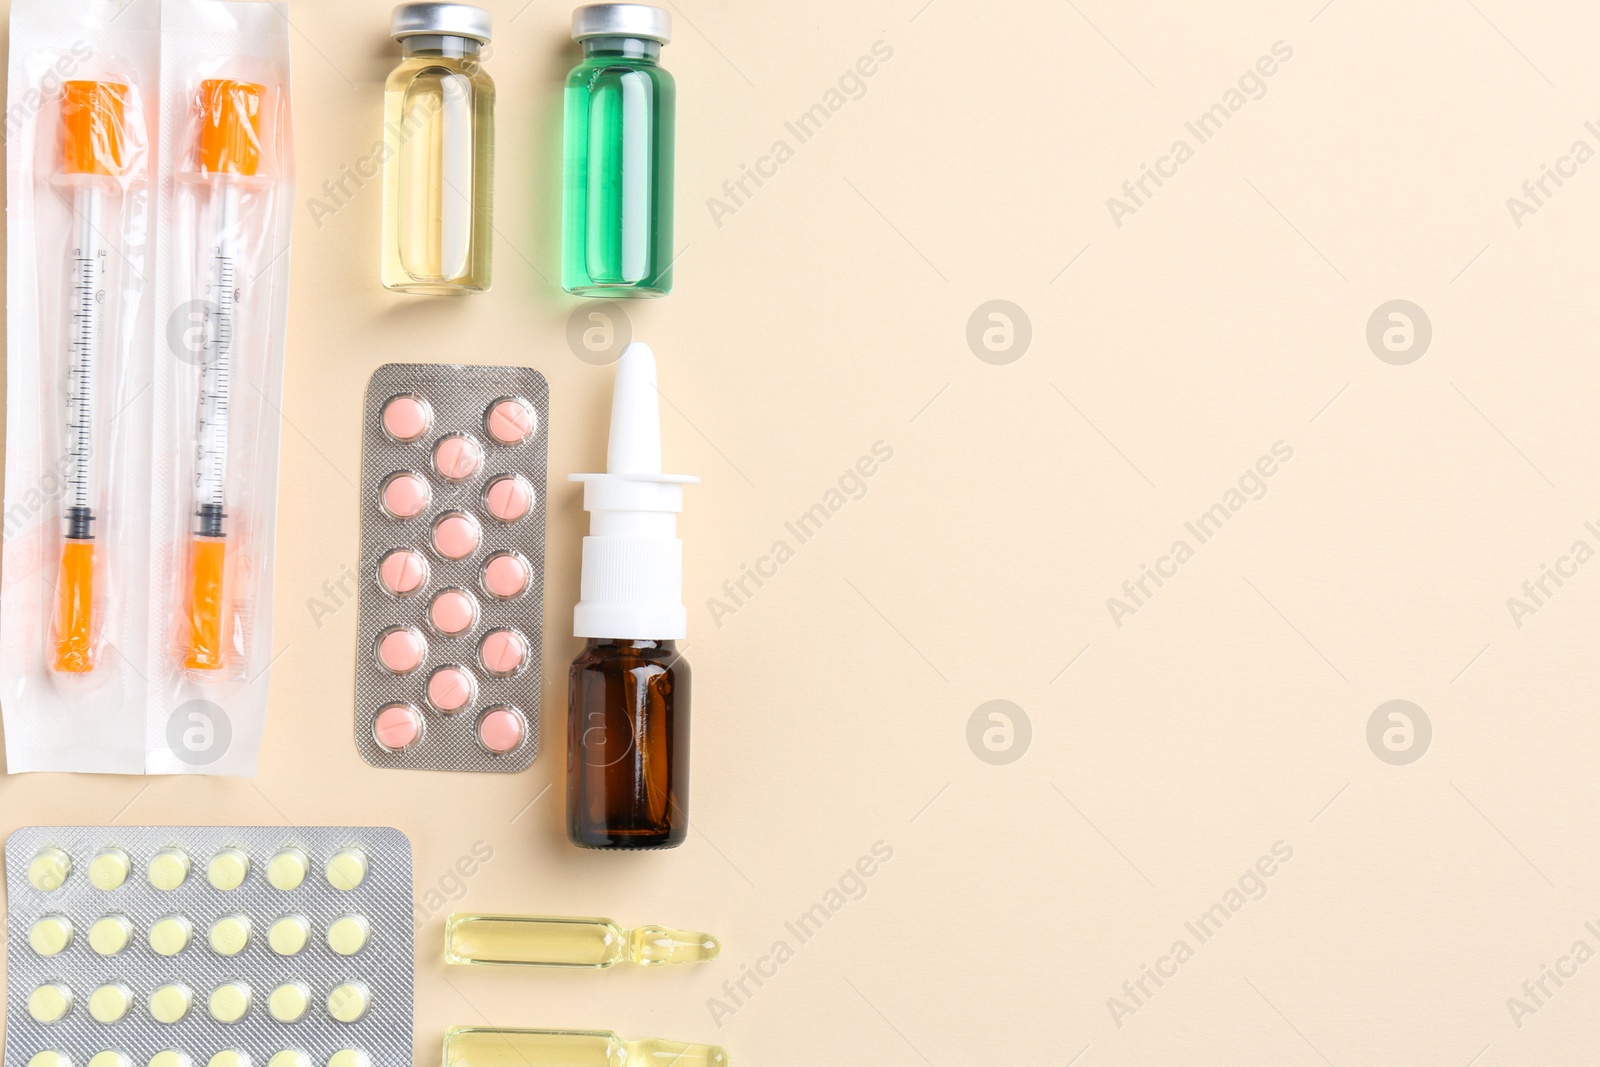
{"x":93,"y":130}
{"x":230,"y":127}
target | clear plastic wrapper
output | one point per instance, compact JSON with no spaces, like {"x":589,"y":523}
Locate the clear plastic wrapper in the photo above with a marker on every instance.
{"x":226,"y":211}
{"x":149,"y":193}
{"x":79,"y":211}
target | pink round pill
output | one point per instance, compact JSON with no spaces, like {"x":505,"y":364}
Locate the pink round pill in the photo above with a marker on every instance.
{"x":455,"y":536}
{"x":405,"y":495}
{"x":450,"y":689}
{"x":397,"y":727}
{"x":406,"y":417}
{"x":508,"y":497}
{"x":501,"y":729}
{"x":503,"y":651}
{"x":401,"y":649}
{"x":452,"y":612}
{"x":505,"y":575}
{"x":457,"y":457}
{"x":403,"y":571}
{"x":511,"y":420}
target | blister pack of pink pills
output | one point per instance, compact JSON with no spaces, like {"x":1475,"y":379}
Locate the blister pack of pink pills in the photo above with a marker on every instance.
{"x":452,"y":567}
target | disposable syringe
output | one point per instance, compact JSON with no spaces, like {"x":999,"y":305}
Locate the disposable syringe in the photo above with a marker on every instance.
{"x":93,"y":157}
{"x":229,"y":153}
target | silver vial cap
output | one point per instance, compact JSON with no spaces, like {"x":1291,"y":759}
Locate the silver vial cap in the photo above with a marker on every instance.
{"x":621,"y":20}
{"x":446,"y":20}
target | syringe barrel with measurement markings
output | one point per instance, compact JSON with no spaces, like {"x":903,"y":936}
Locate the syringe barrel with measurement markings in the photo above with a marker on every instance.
{"x":228,"y":153}
{"x":92,"y":162}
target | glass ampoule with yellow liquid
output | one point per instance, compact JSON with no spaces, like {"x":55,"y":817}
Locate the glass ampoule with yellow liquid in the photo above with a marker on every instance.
{"x":555,"y":941}
{"x":481,"y":1046}
{"x":438,"y":166}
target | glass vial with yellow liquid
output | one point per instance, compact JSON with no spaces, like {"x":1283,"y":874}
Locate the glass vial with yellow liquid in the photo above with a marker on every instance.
{"x":567,"y":941}
{"x":482,"y":1046}
{"x":438,"y":170}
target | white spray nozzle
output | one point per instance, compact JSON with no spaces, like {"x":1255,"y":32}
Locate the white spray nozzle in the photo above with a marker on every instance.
{"x":632,"y":582}
{"x":635,"y":444}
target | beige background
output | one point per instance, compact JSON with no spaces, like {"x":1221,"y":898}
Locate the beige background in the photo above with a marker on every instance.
{"x":1229,"y":713}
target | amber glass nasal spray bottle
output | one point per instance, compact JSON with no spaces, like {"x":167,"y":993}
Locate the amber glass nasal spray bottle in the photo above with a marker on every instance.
{"x":628,"y":690}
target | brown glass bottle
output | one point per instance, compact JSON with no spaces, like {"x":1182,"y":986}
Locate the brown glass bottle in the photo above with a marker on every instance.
{"x":628,"y":745}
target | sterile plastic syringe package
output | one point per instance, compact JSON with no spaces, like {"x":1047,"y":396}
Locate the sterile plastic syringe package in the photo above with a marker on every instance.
{"x":233,"y":946}
{"x":149,"y":192}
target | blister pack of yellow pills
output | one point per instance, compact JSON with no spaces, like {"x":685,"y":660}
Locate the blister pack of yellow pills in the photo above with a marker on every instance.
{"x":208,"y":946}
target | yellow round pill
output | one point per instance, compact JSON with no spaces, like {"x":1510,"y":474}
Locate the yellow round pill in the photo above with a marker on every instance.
{"x":50,"y":934}
{"x":228,"y":869}
{"x":348,"y":935}
{"x":49,"y":1058}
{"x":171,"y":935}
{"x":350,"y":1057}
{"x":289,"y":1057}
{"x":289,"y":1002}
{"x":288,"y":935}
{"x":110,"y":1058}
{"x":230,"y":1057}
{"x":109,"y":869}
{"x":170,"y":1003}
{"x":48,"y":870}
{"x":49,"y":1003}
{"x":230,"y":934}
{"x":349,"y":1002}
{"x":169,"y":869}
{"x":110,"y":1002}
{"x":110,"y":935}
{"x":288,"y":869}
{"x":229,"y":1003}
{"x":171,"y":1057}
{"x":347,"y":869}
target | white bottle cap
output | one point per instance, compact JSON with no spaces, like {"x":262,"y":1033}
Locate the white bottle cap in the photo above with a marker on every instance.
{"x":632,"y":583}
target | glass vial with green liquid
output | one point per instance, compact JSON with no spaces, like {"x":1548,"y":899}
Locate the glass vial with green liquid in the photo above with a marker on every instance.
{"x":618,"y":159}
{"x":438,"y":169}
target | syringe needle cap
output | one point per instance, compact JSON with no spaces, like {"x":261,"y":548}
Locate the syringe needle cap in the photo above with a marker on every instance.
{"x":230,"y":127}
{"x":75,"y":613}
{"x":93,"y":137}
